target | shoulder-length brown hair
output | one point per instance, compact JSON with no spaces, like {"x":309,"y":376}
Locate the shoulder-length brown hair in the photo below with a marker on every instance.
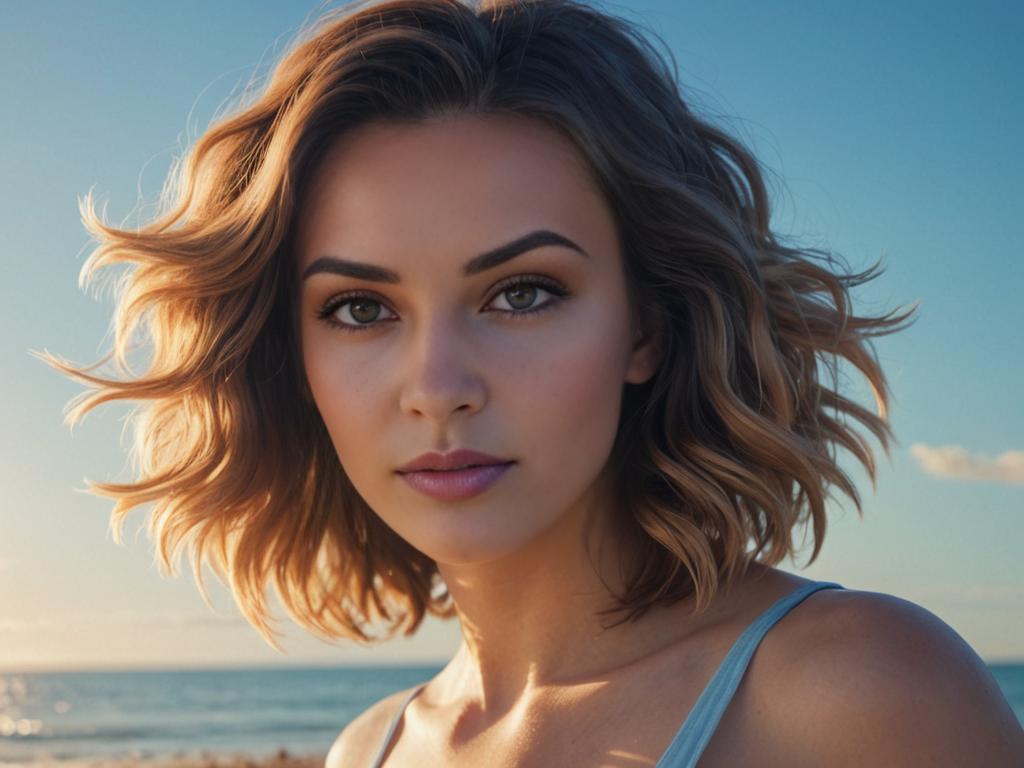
{"x":720,"y":456}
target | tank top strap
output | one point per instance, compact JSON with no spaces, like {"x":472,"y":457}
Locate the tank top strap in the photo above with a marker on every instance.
{"x":394,"y":725}
{"x":695,"y":733}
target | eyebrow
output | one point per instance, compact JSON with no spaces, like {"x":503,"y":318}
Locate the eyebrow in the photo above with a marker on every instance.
{"x":487,"y":260}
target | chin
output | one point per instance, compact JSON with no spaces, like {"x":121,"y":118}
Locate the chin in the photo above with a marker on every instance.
{"x":465,"y":551}
{"x":461,"y":543}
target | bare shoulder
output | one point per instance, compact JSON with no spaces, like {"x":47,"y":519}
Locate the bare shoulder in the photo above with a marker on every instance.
{"x":874,"y":679}
{"x":358,"y":742}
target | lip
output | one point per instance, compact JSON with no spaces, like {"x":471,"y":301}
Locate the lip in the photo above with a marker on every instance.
{"x":455,"y":484}
{"x":450,"y":460}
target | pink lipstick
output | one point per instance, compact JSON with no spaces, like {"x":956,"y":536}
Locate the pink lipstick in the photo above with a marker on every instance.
{"x":456,"y":484}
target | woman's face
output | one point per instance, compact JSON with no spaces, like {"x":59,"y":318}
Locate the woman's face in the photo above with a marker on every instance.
{"x":438,"y":359}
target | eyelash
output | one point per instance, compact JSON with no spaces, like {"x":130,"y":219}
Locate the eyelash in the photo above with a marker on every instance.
{"x":553,"y":287}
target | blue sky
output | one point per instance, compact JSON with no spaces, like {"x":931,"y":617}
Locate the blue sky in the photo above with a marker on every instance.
{"x":892,"y":131}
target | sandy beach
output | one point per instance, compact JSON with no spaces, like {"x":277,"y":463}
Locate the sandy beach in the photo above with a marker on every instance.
{"x":282,"y":759}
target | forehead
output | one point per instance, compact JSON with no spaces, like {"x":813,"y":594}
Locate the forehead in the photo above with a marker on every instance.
{"x":455,"y":184}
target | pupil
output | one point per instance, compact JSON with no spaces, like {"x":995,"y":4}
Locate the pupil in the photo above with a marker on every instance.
{"x":363,"y":303}
{"x":528,"y":290}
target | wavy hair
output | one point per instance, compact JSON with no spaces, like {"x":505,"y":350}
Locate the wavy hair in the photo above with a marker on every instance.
{"x":719,"y":457}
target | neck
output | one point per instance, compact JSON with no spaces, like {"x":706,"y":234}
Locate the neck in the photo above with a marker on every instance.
{"x":529,"y":620}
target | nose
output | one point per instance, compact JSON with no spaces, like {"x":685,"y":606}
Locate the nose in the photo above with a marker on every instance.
{"x":441,"y":376}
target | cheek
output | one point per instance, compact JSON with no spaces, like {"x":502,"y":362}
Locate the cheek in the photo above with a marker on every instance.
{"x":566,"y":408}
{"x":343,"y":391}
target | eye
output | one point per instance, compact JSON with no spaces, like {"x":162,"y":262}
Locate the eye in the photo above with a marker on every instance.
{"x":523,"y":293}
{"x":363,"y":309}
{"x":360,"y":307}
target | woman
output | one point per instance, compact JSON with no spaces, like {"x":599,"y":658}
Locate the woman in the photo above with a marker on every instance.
{"x":468,"y":313}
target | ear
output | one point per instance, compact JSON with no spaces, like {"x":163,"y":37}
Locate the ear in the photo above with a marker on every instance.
{"x":647,"y":351}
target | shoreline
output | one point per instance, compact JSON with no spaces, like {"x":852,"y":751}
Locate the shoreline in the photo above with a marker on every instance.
{"x":203,"y":759}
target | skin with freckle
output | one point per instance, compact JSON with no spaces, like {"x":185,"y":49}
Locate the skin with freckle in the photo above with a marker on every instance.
{"x":443,"y":368}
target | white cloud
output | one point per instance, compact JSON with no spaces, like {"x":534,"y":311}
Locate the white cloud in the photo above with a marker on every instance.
{"x":956,"y":461}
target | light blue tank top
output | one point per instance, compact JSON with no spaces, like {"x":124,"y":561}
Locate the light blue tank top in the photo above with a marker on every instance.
{"x":695,"y":733}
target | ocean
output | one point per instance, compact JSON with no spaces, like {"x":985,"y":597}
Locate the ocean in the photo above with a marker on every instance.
{"x":49,"y":716}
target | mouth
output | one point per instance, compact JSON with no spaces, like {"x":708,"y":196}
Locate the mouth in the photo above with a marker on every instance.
{"x":455,"y":484}
{"x":459,"y":469}
{"x":459,"y":460}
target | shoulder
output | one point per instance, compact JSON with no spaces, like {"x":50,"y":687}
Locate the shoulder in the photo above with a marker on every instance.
{"x":872,"y":678}
{"x":358,"y":742}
